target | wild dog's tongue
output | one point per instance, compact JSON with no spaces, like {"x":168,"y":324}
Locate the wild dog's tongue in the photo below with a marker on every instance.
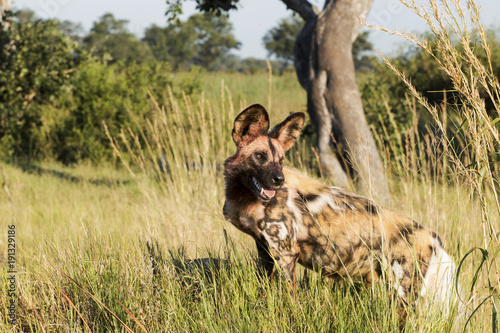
{"x":267,"y":193}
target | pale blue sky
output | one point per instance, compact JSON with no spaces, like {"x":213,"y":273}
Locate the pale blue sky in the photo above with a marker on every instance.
{"x":251,"y":21}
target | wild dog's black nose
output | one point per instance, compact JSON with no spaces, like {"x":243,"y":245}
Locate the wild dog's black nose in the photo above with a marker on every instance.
{"x":278,"y":179}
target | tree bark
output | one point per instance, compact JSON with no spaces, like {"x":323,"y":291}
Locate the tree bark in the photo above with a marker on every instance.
{"x":325,"y":68}
{"x":5,"y":5}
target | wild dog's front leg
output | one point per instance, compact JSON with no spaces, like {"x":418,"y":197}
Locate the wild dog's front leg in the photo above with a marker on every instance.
{"x":266,"y":262}
{"x":282,"y":249}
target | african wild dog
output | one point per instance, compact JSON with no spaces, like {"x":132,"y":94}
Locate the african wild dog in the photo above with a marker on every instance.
{"x":294,"y":218}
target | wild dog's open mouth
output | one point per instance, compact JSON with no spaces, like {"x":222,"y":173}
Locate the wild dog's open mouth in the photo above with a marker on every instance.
{"x":263,"y":193}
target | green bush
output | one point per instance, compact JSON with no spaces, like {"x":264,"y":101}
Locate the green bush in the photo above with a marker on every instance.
{"x":54,"y":96}
{"x":116,"y":94}
{"x":36,"y":61}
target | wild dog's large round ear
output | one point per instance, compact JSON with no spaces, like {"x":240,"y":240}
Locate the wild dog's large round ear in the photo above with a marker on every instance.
{"x":288,"y":130}
{"x":251,"y":122}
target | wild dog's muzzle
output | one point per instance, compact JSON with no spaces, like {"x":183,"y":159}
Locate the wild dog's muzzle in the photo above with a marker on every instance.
{"x":265,"y":192}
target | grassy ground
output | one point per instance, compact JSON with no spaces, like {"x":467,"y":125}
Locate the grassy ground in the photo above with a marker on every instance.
{"x":97,"y":233}
{"x":102,"y":249}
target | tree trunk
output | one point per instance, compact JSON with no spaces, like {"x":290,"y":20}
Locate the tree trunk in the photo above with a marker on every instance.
{"x":325,"y":68}
{"x":5,"y":5}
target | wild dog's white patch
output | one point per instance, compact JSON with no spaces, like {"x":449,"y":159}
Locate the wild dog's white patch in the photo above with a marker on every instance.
{"x":299,"y":230}
{"x":269,"y":241}
{"x":283,"y":232}
{"x":384,"y":261}
{"x":316,"y":206}
{"x":338,"y":190}
{"x":398,"y":272}
{"x":439,"y":281}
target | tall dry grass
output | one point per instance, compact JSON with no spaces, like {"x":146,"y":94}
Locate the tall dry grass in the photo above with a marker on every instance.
{"x":92,"y":253}
{"x":471,"y":149}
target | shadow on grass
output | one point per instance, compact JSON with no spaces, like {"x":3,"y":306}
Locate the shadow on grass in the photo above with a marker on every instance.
{"x":207,"y":268}
{"x":35,"y":169}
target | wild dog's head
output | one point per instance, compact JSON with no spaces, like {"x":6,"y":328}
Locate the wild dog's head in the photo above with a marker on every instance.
{"x":258,"y":163}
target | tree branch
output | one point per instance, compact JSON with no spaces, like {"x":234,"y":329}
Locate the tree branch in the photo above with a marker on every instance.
{"x":304,"y":8}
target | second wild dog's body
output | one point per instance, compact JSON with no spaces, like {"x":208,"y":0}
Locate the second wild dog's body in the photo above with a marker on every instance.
{"x":294,"y":218}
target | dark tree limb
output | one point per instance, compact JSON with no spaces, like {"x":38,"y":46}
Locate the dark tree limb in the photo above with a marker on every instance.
{"x":304,"y":8}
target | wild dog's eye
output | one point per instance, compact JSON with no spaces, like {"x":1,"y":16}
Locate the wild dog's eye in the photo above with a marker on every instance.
{"x":259,"y":156}
{"x":282,"y":160}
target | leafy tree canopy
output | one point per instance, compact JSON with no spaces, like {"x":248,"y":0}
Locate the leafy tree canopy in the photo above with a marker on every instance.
{"x":279,"y":41}
{"x":109,"y":36}
{"x":217,"y":7}
{"x":204,"y":40}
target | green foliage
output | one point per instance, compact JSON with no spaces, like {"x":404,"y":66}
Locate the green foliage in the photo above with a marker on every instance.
{"x":216,"y":6}
{"x":382,"y":91}
{"x":25,"y":16}
{"x":360,"y":52}
{"x":72,"y":30}
{"x":174,"y":9}
{"x":110,"y":36}
{"x":116,"y":94}
{"x":54,"y":97}
{"x":36,"y":61}
{"x":280,"y":40}
{"x":172,"y":44}
{"x":203,"y":40}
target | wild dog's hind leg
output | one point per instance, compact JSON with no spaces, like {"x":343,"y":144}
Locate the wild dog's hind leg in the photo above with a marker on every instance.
{"x":408,"y":271}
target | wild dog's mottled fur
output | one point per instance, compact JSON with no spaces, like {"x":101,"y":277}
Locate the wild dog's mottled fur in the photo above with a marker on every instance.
{"x":323,"y":228}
